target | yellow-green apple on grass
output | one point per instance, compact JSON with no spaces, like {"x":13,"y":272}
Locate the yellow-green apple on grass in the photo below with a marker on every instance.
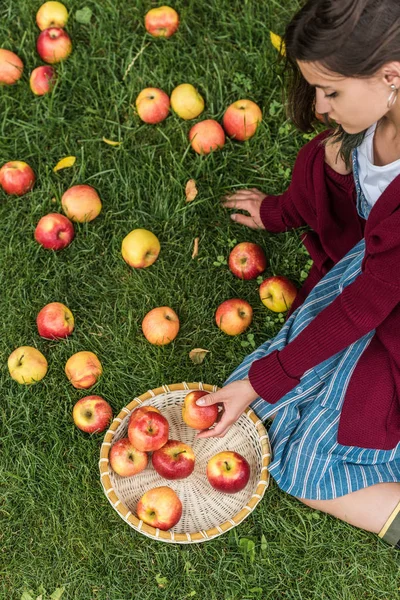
{"x":51,"y":14}
{"x":140,"y":248}
{"x":162,"y":21}
{"x":92,"y":414}
{"x":54,"y":45}
{"x":228,"y":472}
{"x":174,"y":460}
{"x":241,"y":119}
{"x":160,"y":507}
{"x":42,"y":80}
{"x":152,"y":105}
{"x":83,"y":369}
{"x":17,"y":178}
{"x":55,"y":321}
{"x":206,"y":136}
{"x":125,"y":460}
{"x":198,"y":417}
{"x":81,"y":203}
{"x":247,"y":260}
{"x":160,"y":326}
{"x":186,"y":101}
{"x":277,"y":293}
{"x":11,"y":67}
{"x":27,"y":365}
{"x":234,"y":316}
{"x":54,"y":231}
{"x":149,"y":432}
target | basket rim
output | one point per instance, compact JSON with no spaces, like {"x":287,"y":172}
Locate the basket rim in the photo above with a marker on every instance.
{"x":169,"y":536}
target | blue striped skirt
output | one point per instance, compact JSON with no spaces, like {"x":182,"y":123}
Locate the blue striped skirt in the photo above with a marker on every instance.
{"x":307,"y":460}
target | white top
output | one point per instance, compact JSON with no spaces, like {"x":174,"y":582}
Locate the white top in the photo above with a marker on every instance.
{"x":373,"y":179}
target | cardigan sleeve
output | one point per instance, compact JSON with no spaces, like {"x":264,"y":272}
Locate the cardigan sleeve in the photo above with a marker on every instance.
{"x":361,"y":307}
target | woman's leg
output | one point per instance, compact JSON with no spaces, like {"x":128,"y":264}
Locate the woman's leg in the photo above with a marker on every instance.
{"x":368,"y":508}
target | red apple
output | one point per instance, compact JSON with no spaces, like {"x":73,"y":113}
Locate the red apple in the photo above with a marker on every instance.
{"x":55,"y":321}
{"x":11,"y":67}
{"x":125,"y":460}
{"x":198,"y":417}
{"x":27,"y":365}
{"x":160,"y":326}
{"x":228,"y":472}
{"x":234,"y":316}
{"x":54,"y":231}
{"x":42,"y":80}
{"x":92,"y":414}
{"x":241,"y":119}
{"x":149,"y":432}
{"x":174,"y":460}
{"x":140,"y":248}
{"x":152,"y":105}
{"x":277,"y":293}
{"x":17,"y":178}
{"x":51,"y":14}
{"x":83,"y":369}
{"x":139,"y":412}
{"x":54,"y":45}
{"x":247,"y":260}
{"x":162,"y":21}
{"x":160,"y":507}
{"x":81,"y":203}
{"x":206,"y":136}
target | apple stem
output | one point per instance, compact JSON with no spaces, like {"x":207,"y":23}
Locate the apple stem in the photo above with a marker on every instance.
{"x":20,"y":360}
{"x":228,"y":468}
{"x":181,"y":452}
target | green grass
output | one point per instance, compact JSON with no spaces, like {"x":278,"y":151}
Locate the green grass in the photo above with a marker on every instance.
{"x":57,"y":528}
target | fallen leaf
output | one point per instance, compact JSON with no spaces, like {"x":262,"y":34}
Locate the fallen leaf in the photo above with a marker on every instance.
{"x":111,"y":142}
{"x":56,"y":595}
{"x":195,"y":247}
{"x":54,"y":200}
{"x":26,"y":596}
{"x":197,"y":355}
{"x":191,"y":190}
{"x":162,"y":581}
{"x":84,"y":15}
{"x":278,"y":43}
{"x":64,"y":163}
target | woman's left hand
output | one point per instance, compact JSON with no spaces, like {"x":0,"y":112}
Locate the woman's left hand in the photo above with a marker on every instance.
{"x":235,"y":397}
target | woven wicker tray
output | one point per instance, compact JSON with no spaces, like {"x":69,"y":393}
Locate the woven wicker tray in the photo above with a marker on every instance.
{"x":207,"y":513}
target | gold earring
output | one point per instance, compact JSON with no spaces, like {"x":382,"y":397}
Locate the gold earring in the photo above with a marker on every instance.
{"x":393,"y":96}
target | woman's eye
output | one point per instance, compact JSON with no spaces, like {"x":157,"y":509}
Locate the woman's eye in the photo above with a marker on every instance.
{"x":333,"y":95}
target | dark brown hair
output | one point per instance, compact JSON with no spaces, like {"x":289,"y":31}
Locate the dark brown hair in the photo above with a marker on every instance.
{"x":353,"y":38}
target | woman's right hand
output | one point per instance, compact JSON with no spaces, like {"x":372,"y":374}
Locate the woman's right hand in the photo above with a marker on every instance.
{"x":250,"y":201}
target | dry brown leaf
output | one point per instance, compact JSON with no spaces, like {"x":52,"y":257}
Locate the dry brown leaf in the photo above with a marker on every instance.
{"x":65,"y":163}
{"x":195,"y":247}
{"x":191,"y":190}
{"x":197,"y":355}
{"x":111,"y":142}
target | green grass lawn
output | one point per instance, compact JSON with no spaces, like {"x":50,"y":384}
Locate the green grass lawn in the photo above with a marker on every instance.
{"x":57,"y":528}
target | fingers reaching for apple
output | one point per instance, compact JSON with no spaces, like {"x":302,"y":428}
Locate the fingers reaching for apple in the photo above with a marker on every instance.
{"x":250,"y":201}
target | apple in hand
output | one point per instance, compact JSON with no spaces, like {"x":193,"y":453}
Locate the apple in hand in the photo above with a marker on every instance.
{"x":174,"y":460}
{"x":228,"y":472}
{"x":241,"y":119}
{"x":54,"y":231}
{"x":277,"y":293}
{"x":54,"y":45}
{"x":234,"y":316}
{"x":206,"y":136}
{"x":83,"y":369}
{"x":51,"y":14}
{"x":160,"y":507}
{"x":149,"y":432}
{"x":11,"y":67}
{"x":152,"y":105}
{"x":42,"y":80}
{"x":160,"y":326}
{"x":162,"y":21}
{"x":92,"y":414}
{"x":27,"y":365}
{"x":125,"y":460}
{"x":55,"y":321}
{"x":140,"y":248}
{"x":17,"y":178}
{"x":81,"y":203}
{"x":186,"y":101}
{"x":198,"y":417}
{"x":247,"y":260}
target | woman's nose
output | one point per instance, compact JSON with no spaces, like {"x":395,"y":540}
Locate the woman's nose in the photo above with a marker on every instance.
{"x":322,"y":104}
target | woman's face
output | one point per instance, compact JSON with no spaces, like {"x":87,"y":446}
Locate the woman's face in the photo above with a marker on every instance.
{"x":354,"y":103}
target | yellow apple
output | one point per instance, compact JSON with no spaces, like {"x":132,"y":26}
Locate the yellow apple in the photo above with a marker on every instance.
{"x":27,"y":365}
{"x":186,"y":101}
{"x":51,"y":14}
{"x":83,"y":369}
{"x":277,"y":293}
{"x":140,"y":248}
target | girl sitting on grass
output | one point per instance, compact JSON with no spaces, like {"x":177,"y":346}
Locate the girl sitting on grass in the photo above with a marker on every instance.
{"x":330,"y":379}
